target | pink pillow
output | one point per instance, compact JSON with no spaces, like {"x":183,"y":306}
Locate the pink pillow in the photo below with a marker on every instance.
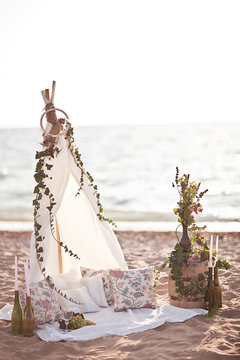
{"x":43,"y":300}
{"x":133,"y":289}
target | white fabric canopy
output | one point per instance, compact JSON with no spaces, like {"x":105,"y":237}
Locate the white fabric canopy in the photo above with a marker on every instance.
{"x":97,"y":246}
{"x":80,"y":229}
{"x":95,"y":243}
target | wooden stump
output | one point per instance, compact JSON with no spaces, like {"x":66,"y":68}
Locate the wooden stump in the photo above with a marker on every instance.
{"x":187,"y":273}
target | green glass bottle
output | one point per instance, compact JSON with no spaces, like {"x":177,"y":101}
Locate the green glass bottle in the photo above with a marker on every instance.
{"x":16,"y":316}
{"x":206,"y":298}
{"x":217,"y":289}
{"x":211,"y":293}
{"x":28,"y":321}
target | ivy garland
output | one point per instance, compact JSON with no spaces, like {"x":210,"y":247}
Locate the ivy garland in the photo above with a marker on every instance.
{"x":177,"y":259}
{"x":77,"y":157}
{"x":180,"y":258}
{"x":41,"y":173}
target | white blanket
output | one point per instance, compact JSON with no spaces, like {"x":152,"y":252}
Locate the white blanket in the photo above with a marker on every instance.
{"x":109,"y":322}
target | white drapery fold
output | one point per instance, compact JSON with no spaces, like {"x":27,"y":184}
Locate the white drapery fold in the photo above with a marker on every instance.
{"x":80,"y":228}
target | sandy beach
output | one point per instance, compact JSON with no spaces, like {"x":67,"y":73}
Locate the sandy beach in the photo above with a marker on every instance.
{"x":212,"y":338}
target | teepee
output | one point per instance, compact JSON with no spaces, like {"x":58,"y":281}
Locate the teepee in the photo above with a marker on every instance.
{"x":69,"y":227}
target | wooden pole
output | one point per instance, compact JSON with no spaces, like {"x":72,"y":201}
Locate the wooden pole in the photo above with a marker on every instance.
{"x":60,"y":266}
{"x":51,"y":115}
{"x":46,"y":93}
{"x":53,"y":92}
{"x":56,"y":126}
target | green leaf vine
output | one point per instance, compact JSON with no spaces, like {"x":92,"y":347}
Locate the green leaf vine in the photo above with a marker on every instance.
{"x":177,"y":260}
{"x":41,"y":189}
{"x":180,"y":258}
{"x":77,"y":158}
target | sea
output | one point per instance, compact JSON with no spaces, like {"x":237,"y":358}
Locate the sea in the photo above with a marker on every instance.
{"x":134,"y":167}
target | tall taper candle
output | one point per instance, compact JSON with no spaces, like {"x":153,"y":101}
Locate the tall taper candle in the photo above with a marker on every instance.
{"x":16,"y":274}
{"x":26,"y":277}
{"x":216,"y":250}
{"x":210,"y":254}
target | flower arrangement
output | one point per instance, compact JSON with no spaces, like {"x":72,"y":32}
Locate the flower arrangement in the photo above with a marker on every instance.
{"x":188,"y":206}
{"x":189,"y":203}
{"x":193,"y":251}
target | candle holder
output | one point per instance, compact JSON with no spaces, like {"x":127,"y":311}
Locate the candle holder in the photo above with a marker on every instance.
{"x":16,"y":316}
{"x":28,"y":322}
{"x":217,"y":289}
{"x":210,"y":294}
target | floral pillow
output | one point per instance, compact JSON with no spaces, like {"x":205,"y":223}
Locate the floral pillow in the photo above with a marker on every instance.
{"x":107,"y":284}
{"x":43,"y":300}
{"x":133,"y":289}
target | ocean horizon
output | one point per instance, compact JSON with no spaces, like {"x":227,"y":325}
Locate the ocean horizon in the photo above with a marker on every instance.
{"x":134,"y":167}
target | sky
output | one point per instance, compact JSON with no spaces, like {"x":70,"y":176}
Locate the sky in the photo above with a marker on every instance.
{"x":120,"y":62}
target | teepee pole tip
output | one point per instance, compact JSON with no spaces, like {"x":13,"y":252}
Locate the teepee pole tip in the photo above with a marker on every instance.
{"x":46,"y":93}
{"x":53,"y":91}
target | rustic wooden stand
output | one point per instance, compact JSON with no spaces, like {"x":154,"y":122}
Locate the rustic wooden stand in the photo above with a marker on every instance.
{"x":187,"y":274}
